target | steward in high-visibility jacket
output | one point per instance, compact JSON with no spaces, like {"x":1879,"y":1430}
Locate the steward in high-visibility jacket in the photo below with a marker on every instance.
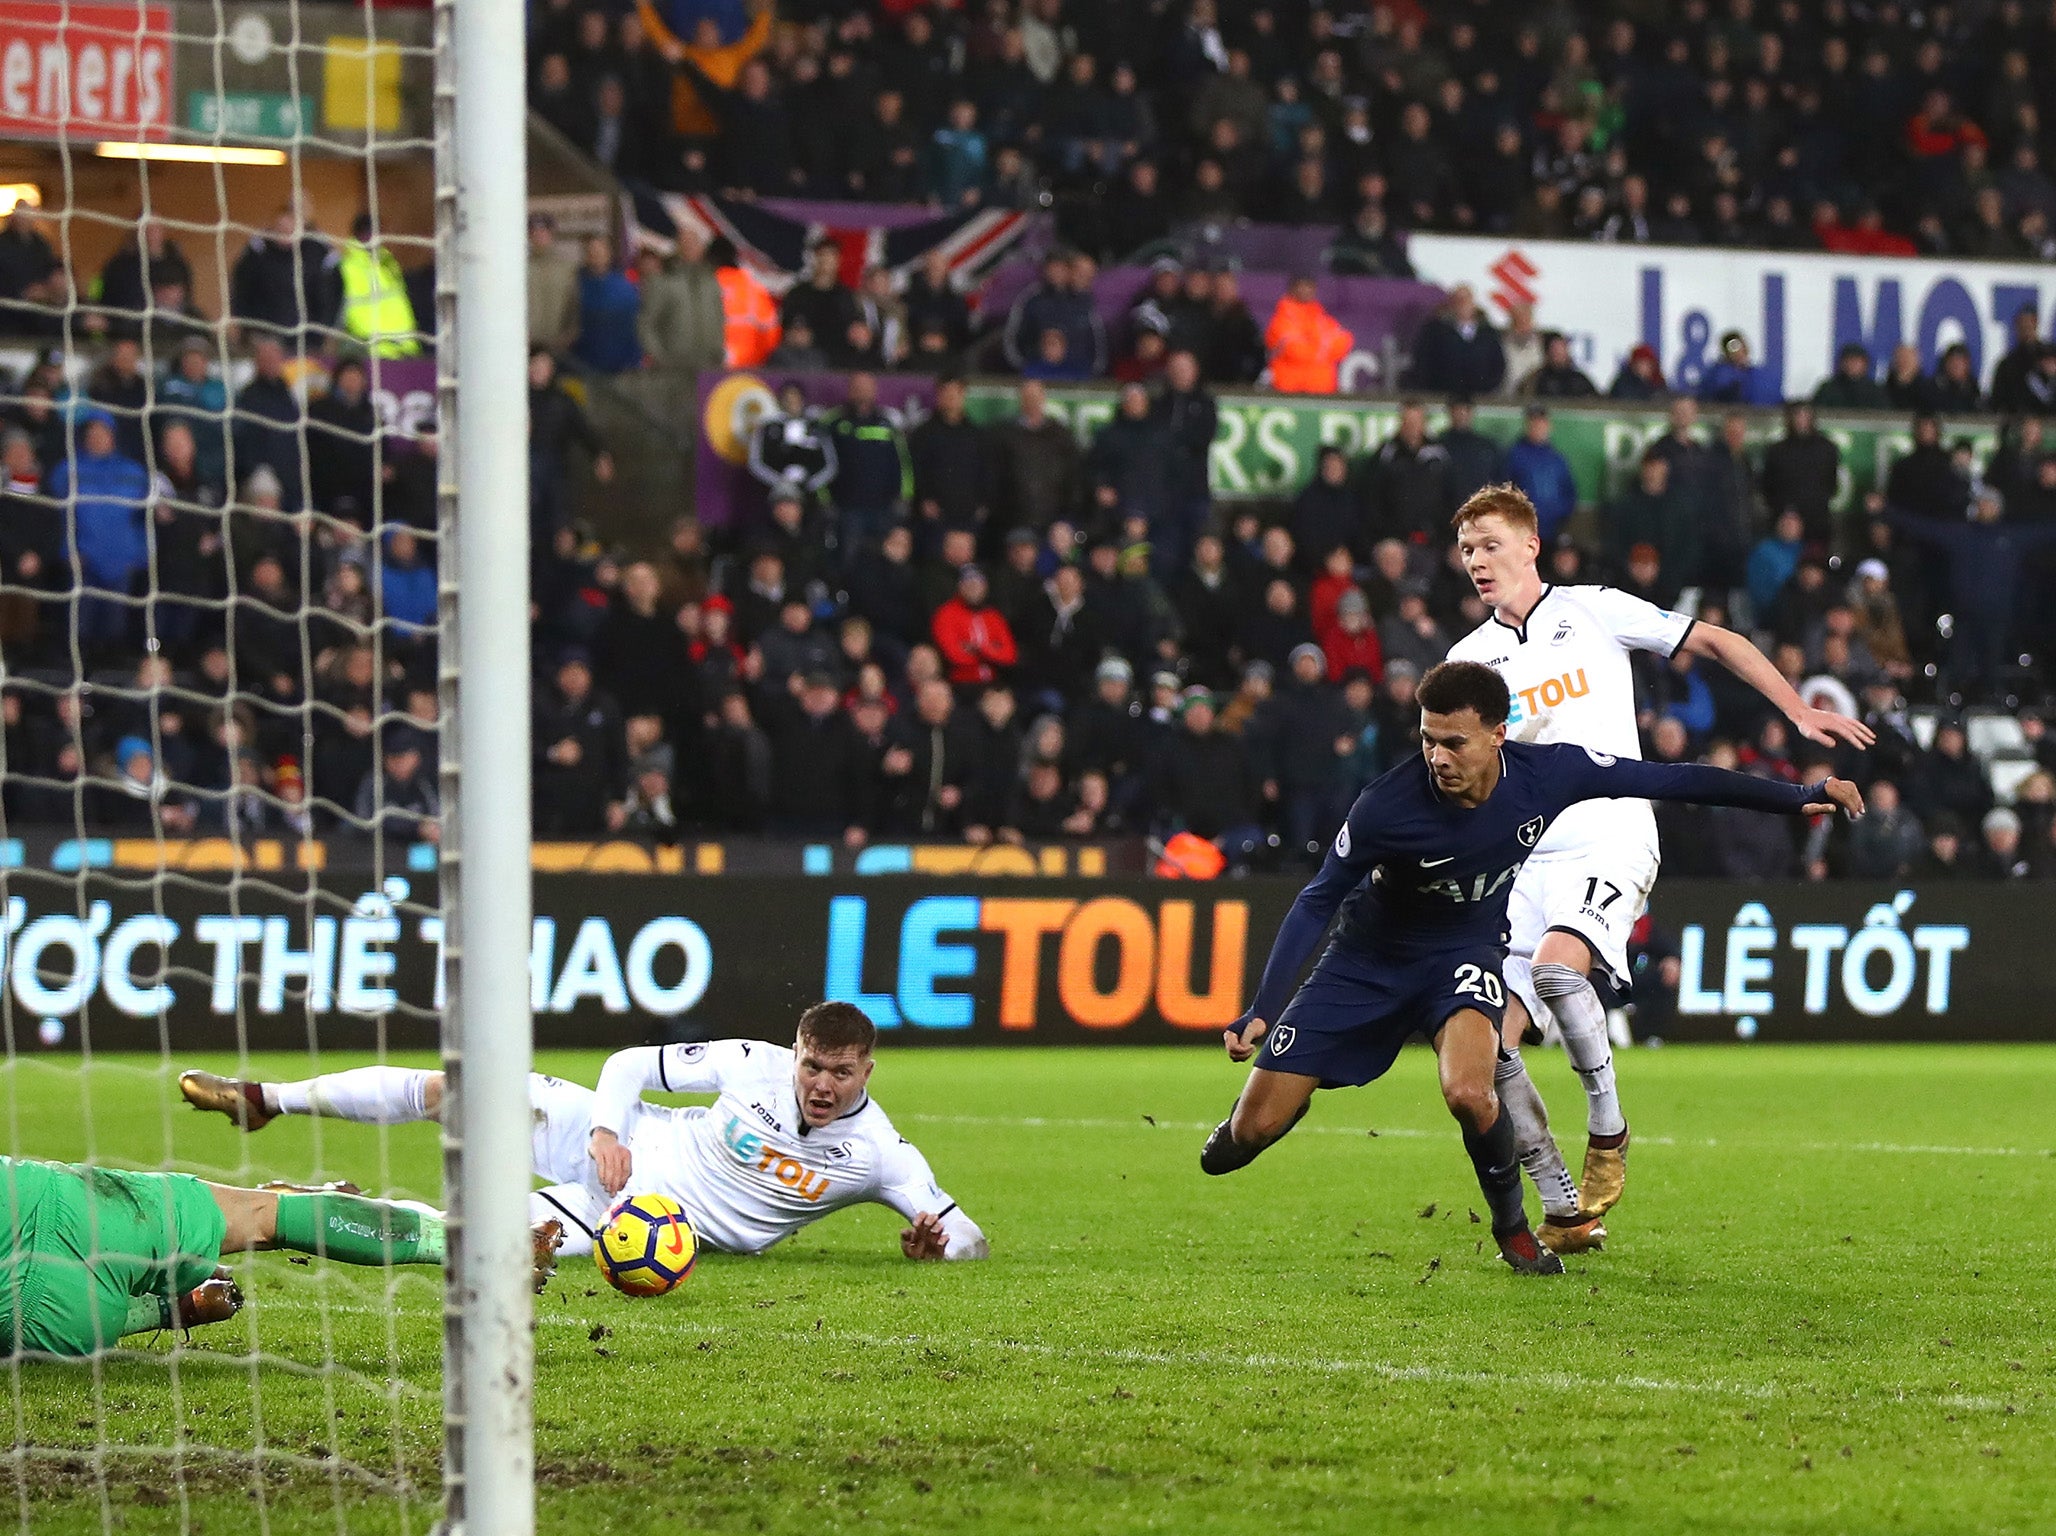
{"x":750,"y":329}
{"x":376,"y":311}
{"x":1306,"y":343}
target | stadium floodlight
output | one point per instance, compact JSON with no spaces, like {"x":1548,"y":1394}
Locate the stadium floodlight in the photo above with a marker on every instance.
{"x":192,"y":154}
{"x":264,"y":777}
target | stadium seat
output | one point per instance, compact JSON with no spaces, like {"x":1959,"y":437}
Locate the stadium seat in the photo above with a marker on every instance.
{"x":1992,"y":734}
{"x":1924,"y":718}
{"x":2007,"y":774}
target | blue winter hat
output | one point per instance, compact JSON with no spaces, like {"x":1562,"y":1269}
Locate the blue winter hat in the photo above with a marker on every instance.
{"x":127,"y":748}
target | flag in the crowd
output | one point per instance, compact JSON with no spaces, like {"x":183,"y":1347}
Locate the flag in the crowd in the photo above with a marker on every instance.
{"x":776,"y":246}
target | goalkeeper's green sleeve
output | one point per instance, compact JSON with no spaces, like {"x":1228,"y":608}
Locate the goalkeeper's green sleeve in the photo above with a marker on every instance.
{"x":354,"y":1230}
{"x":148,"y":1314}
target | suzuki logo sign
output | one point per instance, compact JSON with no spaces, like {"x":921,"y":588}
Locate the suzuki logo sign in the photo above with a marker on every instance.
{"x":1514,"y":281}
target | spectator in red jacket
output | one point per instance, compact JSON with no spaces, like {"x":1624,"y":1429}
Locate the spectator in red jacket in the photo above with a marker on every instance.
{"x":976,"y":644}
{"x":1938,"y":131}
{"x":1351,"y":642}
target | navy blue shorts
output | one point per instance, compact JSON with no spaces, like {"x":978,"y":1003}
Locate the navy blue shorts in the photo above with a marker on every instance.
{"x":1354,"y":1011}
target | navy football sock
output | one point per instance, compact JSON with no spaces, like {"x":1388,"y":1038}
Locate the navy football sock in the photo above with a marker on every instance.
{"x":1224,"y":1154}
{"x":1498,"y":1163}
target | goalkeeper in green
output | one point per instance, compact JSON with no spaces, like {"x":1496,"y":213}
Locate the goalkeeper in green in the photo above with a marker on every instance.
{"x":93,"y":1254}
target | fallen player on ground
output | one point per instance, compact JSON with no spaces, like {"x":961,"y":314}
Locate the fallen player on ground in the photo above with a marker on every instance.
{"x":794,"y":1136}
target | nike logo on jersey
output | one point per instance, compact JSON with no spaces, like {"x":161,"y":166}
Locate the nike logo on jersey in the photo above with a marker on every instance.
{"x":1432,"y":863}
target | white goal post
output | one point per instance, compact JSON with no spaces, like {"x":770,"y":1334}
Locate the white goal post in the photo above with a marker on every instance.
{"x":232,"y":689}
{"x":482,"y":379}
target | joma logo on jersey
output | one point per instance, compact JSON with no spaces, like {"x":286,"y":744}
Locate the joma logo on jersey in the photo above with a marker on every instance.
{"x":1528,"y":702}
{"x":1481,"y":887}
{"x":750,"y":1148}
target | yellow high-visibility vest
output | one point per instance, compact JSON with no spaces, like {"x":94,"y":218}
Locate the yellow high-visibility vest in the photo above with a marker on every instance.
{"x":376,"y":309}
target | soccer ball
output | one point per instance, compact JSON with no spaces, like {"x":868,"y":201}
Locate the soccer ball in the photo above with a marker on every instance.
{"x":646,"y":1247}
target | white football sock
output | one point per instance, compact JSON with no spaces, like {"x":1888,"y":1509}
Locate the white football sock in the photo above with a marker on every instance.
{"x":1538,"y":1151}
{"x":368,"y":1095}
{"x":573,"y":1208}
{"x":1581,"y":1020}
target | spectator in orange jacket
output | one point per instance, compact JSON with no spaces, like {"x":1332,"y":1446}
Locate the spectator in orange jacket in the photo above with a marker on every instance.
{"x":750,"y":330}
{"x":974,"y":638}
{"x":720,"y":62}
{"x":1307,"y":344}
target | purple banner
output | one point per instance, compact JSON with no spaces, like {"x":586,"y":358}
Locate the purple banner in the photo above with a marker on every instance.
{"x":850,"y":215}
{"x":403,"y":390}
{"x":732,"y":404}
{"x":1382,"y":313}
{"x":1263,"y":247}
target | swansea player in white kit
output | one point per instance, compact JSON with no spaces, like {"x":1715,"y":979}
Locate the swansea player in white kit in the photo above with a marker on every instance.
{"x":1564,"y":652}
{"x":793,"y":1136}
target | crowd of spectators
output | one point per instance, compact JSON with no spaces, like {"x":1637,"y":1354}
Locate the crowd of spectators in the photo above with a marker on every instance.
{"x":943,"y":628}
{"x":1852,"y":127}
{"x":217,"y":565}
{"x":997,"y":632}
{"x":1846,"y":125}
{"x":216,"y":582}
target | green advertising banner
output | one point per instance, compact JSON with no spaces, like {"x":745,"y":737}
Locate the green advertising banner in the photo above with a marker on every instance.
{"x":1267,"y":444}
{"x":250,"y":114}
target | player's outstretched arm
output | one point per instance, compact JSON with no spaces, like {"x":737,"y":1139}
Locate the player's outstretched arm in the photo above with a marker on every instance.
{"x":937,"y":1228}
{"x":629,"y":1074}
{"x":1602,"y":777}
{"x":214,"y":1300}
{"x":1733,"y":651}
{"x":936,"y":1236}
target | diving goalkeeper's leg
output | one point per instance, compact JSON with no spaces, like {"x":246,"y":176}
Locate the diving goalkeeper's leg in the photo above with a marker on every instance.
{"x":351,"y":1229}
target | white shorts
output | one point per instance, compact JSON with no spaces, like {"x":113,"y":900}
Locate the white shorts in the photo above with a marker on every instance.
{"x":1597,"y":894}
{"x":561,"y":1156}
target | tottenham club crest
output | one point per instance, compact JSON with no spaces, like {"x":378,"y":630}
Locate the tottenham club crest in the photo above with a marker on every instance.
{"x":1342,"y":842}
{"x":1531,"y":832}
{"x":1282,"y":1038}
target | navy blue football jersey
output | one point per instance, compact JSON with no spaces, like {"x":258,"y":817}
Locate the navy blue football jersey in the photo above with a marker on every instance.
{"x":1414,"y":872}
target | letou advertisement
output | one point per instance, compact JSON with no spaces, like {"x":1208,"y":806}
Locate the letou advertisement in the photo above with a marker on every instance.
{"x":1796,"y":309}
{"x":85,"y":71}
{"x":108,"y":964}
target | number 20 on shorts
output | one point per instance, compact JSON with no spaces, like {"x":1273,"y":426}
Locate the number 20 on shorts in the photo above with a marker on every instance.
{"x":1476,"y":981}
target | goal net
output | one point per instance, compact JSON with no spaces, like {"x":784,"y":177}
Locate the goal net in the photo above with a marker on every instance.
{"x":236,"y":406}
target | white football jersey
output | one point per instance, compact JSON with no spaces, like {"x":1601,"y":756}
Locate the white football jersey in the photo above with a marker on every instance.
{"x":1567,"y":668}
{"x":748,"y":1169}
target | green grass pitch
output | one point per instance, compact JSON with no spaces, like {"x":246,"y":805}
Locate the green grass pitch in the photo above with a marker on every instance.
{"x":1829,"y":1306}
